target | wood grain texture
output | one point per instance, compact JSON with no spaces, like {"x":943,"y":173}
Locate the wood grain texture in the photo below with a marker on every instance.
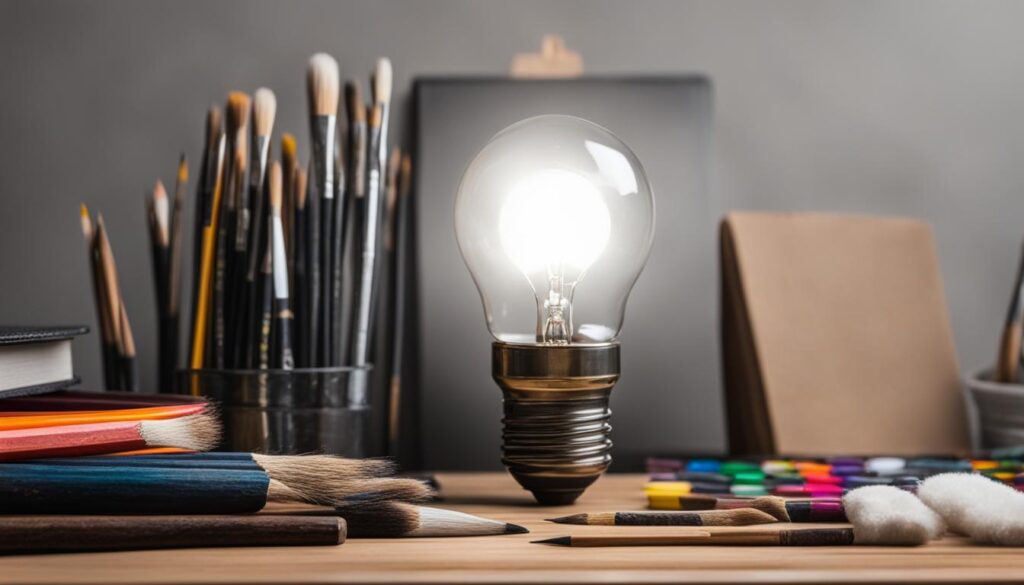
{"x":512,"y":559}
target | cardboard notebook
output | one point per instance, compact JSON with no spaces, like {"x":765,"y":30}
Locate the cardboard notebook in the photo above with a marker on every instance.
{"x":835,"y":337}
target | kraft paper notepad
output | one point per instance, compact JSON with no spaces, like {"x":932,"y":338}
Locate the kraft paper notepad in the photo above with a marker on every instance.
{"x":836,"y":337}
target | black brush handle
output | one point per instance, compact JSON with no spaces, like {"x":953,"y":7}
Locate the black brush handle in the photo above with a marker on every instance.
{"x":98,"y":533}
{"x":312,"y":285}
{"x":816,"y":537}
{"x":298,"y":294}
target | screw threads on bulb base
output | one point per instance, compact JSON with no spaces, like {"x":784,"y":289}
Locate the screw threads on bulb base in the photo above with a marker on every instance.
{"x":555,"y":440}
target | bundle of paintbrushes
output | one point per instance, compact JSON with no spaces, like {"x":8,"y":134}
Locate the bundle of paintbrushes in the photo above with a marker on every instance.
{"x":75,"y":423}
{"x":274,"y":242}
{"x":825,"y":478}
{"x":118,"y":344}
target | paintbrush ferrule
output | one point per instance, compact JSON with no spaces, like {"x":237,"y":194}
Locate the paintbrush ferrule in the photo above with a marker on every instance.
{"x":323,"y":153}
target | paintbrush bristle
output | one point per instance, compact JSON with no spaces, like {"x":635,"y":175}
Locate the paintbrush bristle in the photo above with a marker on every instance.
{"x":213,"y":127}
{"x":87,"y":231}
{"x":327,"y":489}
{"x":382,"y":81}
{"x":196,"y":432}
{"x":737,"y":517}
{"x":161,"y":212}
{"x":322,"y":85}
{"x":773,"y":505}
{"x":289,"y":150}
{"x":300,"y":188}
{"x":238,"y":111}
{"x":332,"y":465}
{"x":264,"y":108}
{"x":275,"y":189}
{"x":182,"y":170}
{"x":354,"y":102}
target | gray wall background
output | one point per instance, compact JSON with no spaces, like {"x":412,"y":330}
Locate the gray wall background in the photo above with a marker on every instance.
{"x":909,"y":108}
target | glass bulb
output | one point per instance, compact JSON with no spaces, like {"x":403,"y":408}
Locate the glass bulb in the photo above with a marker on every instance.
{"x":554,"y":218}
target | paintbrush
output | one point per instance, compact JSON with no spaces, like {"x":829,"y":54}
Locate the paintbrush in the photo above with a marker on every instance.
{"x":36,"y":534}
{"x":333,"y":329}
{"x":99,"y":297}
{"x":785,"y":510}
{"x":197,"y":432}
{"x":283,"y":357}
{"x":322,"y":88}
{"x":204,"y":285}
{"x":735,"y":517}
{"x":159,"y":216}
{"x":208,"y":173}
{"x":289,"y":167}
{"x":249,"y":317}
{"x":299,"y":292}
{"x":400,"y":268}
{"x":152,"y":485}
{"x":370,"y":222}
{"x":311,"y":282}
{"x":237,"y":250}
{"x":402,"y":520}
{"x":1010,"y":343}
{"x":727,"y":537}
{"x":168,"y":346}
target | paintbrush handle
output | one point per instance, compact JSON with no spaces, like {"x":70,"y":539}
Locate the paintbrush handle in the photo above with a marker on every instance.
{"x":94,"y":533}
{"x":71,"y":489}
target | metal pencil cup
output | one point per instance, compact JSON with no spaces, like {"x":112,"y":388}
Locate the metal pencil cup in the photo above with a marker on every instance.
{"x":286,"y":411}
{"x":999,"y":409}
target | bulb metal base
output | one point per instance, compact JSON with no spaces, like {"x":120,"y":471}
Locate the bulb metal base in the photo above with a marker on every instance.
{"x":555,"y":440}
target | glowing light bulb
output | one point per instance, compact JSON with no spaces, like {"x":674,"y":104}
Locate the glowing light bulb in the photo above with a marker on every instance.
{"x":555,"y":218}
{"x":560,"y":205}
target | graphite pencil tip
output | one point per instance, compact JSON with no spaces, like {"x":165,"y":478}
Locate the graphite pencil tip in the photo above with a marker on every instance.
{"x":558,"y":540}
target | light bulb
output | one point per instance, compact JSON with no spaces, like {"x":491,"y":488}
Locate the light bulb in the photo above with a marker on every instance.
{"x":555,"y":218}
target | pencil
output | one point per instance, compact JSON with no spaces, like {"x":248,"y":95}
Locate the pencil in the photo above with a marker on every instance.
{"x":108,"y":350}
{"x":737,"y":537}
{"x":112,"y":296}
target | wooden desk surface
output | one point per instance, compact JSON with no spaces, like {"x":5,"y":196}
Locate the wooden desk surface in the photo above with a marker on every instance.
{"x":512,"y":559}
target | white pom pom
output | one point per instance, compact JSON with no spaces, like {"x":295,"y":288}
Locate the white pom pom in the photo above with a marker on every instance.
{"x":986,"y":510}
{"x":887,"y":515}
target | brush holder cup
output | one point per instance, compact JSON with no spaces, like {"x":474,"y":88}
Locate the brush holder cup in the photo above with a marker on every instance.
{"x":287,"y":411}
{"x":999,"y":410}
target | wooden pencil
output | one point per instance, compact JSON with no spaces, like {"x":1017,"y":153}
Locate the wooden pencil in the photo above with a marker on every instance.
{"x":112,"y":297}
{"x":108,"y":351}
{"x":36,"y":534}
{"x":737,"y":537}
